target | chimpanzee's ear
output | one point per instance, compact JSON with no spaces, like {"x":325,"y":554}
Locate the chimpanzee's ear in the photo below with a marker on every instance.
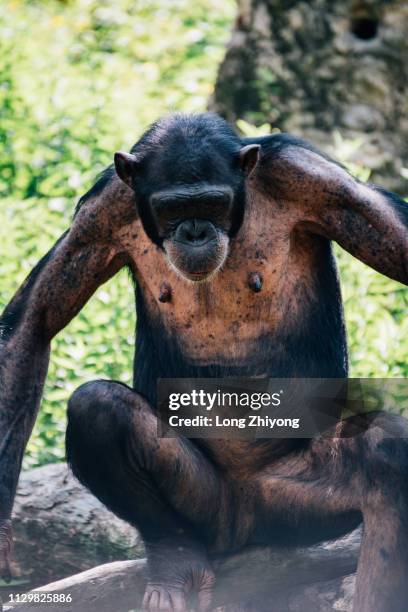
{"x":125,"y":165}
{"x":248,"y":157}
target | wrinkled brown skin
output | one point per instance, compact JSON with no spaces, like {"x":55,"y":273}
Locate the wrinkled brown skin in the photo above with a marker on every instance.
{"x":238,"y":497}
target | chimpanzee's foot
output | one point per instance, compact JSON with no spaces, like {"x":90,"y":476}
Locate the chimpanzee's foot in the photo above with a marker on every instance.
{"x":178,"y":576}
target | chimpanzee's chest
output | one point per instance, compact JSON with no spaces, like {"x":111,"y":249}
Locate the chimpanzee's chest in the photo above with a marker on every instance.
{"x":220,"y":320}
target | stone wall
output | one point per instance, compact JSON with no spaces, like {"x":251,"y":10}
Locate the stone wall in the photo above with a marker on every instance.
{"x":314,"y":68}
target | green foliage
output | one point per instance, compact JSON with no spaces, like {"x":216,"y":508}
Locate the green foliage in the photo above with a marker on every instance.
{"x":82,"y":78}
{"x":79,"y":80}
{"x":377,"y":322}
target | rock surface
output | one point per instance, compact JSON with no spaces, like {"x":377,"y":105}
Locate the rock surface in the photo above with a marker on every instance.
{"x":61,"y":529}
{"x":316,"y":579}
{"x":317,"y":68}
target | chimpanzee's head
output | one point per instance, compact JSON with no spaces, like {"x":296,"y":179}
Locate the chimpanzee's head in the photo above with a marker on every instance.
{"x":188,"y":172}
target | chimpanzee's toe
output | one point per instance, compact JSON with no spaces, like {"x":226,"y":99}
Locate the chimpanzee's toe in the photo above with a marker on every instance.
{"x":162,"y":598}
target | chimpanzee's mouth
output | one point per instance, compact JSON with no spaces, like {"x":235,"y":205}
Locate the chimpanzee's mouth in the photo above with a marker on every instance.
{"x":199,"y":262}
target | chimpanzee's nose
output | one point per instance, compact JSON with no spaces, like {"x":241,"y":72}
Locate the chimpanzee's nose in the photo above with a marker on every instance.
{"x":195,"y":232}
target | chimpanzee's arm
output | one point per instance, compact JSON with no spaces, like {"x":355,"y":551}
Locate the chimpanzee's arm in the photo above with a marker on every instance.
{"x":367,"y":221}
{"x":55,"y":291}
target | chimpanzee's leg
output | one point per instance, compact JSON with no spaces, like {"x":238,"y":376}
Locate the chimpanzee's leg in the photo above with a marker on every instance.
{"x":163,"y":486}
{"x":323,"y":490}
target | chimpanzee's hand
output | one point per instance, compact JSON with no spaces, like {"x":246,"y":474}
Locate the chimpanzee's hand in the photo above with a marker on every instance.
{"x":176,"y":574}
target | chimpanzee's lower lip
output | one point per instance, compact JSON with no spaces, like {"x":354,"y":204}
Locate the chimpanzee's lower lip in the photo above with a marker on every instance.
{"x":200,"y":245}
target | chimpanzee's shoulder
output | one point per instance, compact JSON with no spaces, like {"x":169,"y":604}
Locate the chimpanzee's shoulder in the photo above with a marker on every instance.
{"x":102,"y":181}
{"x":274,"y":145}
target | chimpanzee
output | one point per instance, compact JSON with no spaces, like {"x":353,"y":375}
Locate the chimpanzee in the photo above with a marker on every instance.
{"x":228,"y":241}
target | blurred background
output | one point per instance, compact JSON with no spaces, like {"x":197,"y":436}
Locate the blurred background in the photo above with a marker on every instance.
{"x":80,"y":79}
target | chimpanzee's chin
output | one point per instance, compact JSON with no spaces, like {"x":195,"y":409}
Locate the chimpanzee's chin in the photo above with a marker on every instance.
{"x":197,"y":264}
{"x":198,"y":274}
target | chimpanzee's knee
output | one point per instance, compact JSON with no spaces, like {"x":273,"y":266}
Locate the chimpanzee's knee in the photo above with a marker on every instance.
{"x":95,"y":399}
{"x":98,"y":425}
{"x":385,"y":460}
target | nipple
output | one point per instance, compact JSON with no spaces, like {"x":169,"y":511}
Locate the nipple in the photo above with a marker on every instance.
{"x":165,"y":293}
{"x":255,"y":282}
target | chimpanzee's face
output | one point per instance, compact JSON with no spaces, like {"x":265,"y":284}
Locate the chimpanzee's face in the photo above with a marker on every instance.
{"x":190,"y":197}
{"x":194,"y":222}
